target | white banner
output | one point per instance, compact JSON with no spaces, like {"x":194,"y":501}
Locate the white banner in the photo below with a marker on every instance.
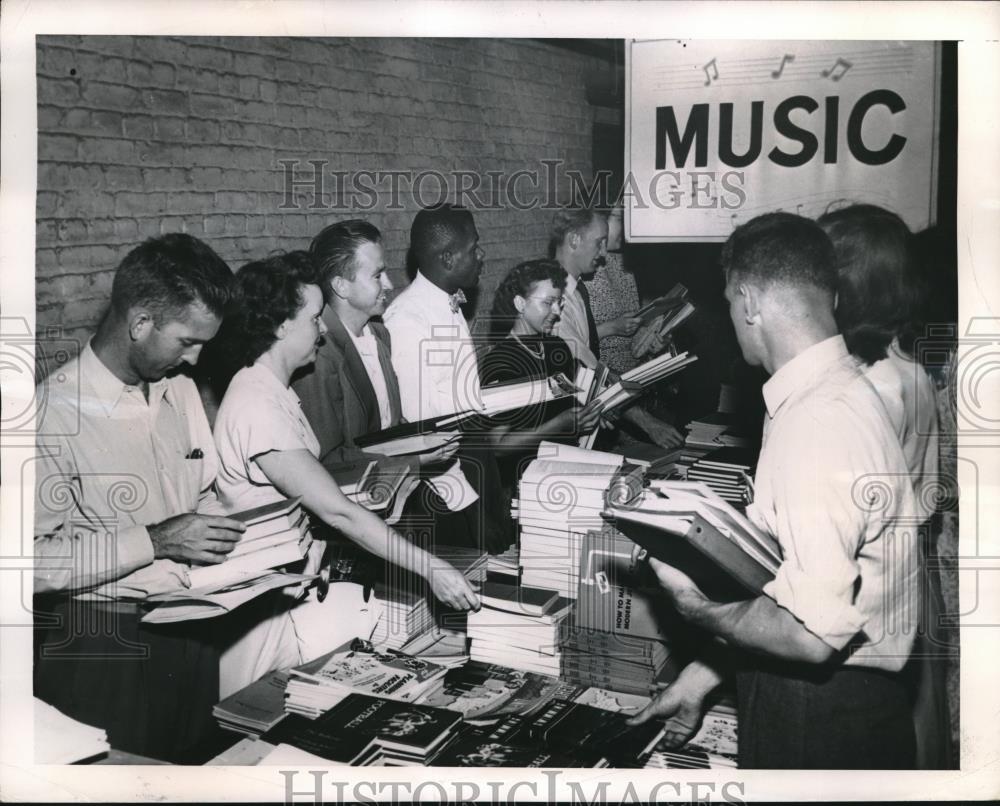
{"x":718,"y":132}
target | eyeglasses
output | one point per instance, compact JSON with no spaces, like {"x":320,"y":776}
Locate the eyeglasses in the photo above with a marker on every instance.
{"x":549,"y":302}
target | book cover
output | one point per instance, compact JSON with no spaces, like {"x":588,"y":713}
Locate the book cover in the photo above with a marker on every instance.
{"x":401,"y":726}
{"x":518,"y":598}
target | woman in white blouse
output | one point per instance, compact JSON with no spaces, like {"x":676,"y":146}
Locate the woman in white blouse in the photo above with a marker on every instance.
{"x":267,"y":449}
{"x":878,"y":306}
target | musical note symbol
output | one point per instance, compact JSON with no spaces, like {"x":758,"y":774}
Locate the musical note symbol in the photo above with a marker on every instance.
{"x":788,"y":57}
{"x":832,"y":73}
{"x":715,"y":69}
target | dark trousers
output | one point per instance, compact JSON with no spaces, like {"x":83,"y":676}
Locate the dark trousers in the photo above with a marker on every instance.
{"x":150,"y":687}
{"x":823,"y":718}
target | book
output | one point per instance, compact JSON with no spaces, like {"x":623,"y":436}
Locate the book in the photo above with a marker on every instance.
{"x":631,"y":384}
{"x":255,"y":709}
{"x":250,"y":565}
{"x":517,"y":598}
{"x":480,"y":691}
{"x":478,"y":748}
{"x":407,"y":445}
{"x":351,"y":476}
{"x":198,"y":603}
{"x":268,"y":518}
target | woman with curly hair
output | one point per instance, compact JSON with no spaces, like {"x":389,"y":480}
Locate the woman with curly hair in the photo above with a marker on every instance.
{"x":878,"y":309}
{"x":525,"y":308}
{"x":268,"y":451}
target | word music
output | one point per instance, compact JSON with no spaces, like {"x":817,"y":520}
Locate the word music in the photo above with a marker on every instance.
{"x":697,"y":132}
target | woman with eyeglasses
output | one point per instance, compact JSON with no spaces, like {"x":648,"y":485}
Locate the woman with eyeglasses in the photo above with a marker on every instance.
{"x":525,"y":308}
{"x":268,"y":450}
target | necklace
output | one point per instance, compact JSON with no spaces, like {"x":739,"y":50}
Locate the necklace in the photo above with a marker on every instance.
{"x":539,"y":353}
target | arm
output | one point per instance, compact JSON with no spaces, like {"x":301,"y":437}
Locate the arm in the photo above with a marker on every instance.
{"x":663,"y":434}
{"x":622,"y":326}
{"x":297,"y":473}
{"x":572,"y":422}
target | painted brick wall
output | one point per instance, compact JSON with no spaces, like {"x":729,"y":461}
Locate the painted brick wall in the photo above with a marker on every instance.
{"x":143,"y":135}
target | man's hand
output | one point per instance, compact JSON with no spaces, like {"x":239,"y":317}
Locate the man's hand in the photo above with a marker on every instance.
{"x":579,"y":420}
{"x":451,"y":587}
{"x":442,"y":454}
{"x":647,"y":339}
{"x":661,"y":433}
{"x":681,"y":710}
{"x":195,"y":539}
{"x":622,"y":326}
{"x":686,"y":597}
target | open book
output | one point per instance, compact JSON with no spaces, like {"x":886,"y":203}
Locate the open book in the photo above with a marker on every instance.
{"x":209,"y":601}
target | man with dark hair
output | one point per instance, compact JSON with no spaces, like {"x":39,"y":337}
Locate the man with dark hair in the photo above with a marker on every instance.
{"x":578,"y":241}
{"x":126,"y":464}
{"x":435,"y":361}
{"x":825,"y":641}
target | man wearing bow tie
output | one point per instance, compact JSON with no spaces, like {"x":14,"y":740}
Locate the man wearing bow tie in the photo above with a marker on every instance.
{"x":435,"y":362}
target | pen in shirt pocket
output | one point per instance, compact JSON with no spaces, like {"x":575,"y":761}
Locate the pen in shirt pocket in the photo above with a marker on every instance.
{"x":196,"y":453}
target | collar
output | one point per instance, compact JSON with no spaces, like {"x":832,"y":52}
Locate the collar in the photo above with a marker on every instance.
{"x":106,"y":388}
{"x":571,"y":283}
{"x":432,"y":293}
{"x":801,"y":371}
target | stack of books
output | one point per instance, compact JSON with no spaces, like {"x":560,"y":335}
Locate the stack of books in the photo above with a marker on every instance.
{"x":506,"y":565}
{"x":518,"y":627}
{"x":714,"y":746}
{"x":558,"y":503}
{"x":618,"y":663}
{"x":481,"y":691}
{"x":405,"y":615}
{"x":687,"y":525}
{"x":445,"y":647}
{"x":364,"y":730}
{"x":276,"y":535}
{"x":728,"y":472}
{"x":255,"y":709}
{"x":632,"y":383}
{"x":357,"y":667}
{"x":470,"y":562}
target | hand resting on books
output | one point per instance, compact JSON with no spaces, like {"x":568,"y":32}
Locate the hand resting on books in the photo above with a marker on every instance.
{"x":196,"y":539}
{"x":682,"y":704}
{"x":451,"y":587}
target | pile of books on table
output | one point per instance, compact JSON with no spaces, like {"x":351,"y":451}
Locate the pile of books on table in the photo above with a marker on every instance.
{"x":405,"y":615}
{"x":255,"y":709}
{"x":358,"y":667}
{"x":619,"y":663}
{"x":728,"y":473}
{"x":558,"y":502}
{"x":714,"y":746}
{"x":487,"y":691}
{"x":364,"y":730}
{"x":562,"y":734}
{"x":518,"y":627}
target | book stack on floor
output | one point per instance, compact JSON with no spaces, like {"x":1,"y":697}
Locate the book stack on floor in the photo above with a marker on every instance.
{"x":276,"y":535}
{"x":518,"y":627}
{"x":558,"y":503}
{"x":357,"y":667}
{"x":364,"y":730}
{"x":255,"y":709}
{"x":405,"y":615}
{"x":727,"y":471}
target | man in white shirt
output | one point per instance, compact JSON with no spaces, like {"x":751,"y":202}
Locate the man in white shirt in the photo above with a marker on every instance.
{"x":435,"y":362}
{"x":825,"y":641}
{"x":578,"y":241}
{"x":126,"y":464}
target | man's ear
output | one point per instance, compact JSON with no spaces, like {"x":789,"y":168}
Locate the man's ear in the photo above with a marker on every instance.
{"x":573,"y":240}
{"x":447,"y":259}
{"x":339,"y":286}
{"x":751,"y":303}
{"x":519,"y":303}
{"x":140,"y":324}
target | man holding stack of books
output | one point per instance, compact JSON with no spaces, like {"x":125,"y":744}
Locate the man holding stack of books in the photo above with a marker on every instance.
{"x":821,"y":648}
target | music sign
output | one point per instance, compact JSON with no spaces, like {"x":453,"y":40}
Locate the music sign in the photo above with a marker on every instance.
{"x":718,"y":132}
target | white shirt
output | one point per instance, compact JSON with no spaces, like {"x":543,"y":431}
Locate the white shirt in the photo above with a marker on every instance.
{"x":832,"y":487}
{"x":572,"y":324}
{"x":258,"y":414}
{"x":368,"y":350}
{"x":909,"y":397}
{"x":435,"y":362}
{"x":110,"y":463}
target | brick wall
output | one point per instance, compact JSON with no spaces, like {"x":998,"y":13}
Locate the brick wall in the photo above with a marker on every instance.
{"x":143,"y":135}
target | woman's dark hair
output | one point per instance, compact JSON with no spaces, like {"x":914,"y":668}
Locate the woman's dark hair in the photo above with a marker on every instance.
{"x":519,"y":281}
{"x":878,"y":288}
{"x":268,"y":292}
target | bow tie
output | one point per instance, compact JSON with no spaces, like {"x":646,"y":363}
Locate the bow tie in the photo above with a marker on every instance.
{"x":456,"y":300}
